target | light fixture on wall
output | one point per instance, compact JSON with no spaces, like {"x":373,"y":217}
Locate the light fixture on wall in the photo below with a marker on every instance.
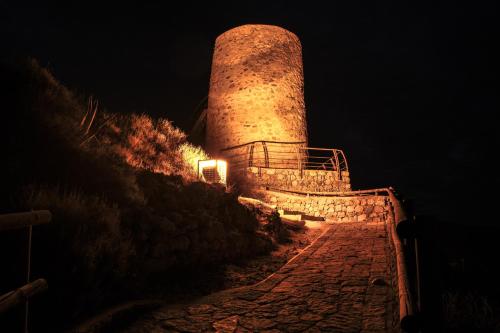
{"x":213,"y":171}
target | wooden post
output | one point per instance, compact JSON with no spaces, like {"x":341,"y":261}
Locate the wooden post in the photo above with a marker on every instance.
{"x":28,"y":273}
{"x":17,"y":221}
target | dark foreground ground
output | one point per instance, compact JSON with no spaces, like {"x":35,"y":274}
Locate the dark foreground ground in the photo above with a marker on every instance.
{"x":177,"y":289}
{"x":326,"y":288}
{"x":460,"y":274}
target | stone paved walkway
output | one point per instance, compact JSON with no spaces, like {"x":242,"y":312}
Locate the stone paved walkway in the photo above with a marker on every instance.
{"x":326,"y":288}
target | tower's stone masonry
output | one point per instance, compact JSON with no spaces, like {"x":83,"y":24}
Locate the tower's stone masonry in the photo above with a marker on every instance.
{"x":256,"y":88}
{"x":256,"y":118}
{"x":299,"y":180}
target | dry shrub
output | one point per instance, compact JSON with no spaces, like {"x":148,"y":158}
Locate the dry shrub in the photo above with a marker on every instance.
{"x":131,"y":212}
{"x":276,"y":229}
{"x":191,"y":155}
{"x":468,"y":312}
{"x":154,"y":145}
{"x":86,"y":243}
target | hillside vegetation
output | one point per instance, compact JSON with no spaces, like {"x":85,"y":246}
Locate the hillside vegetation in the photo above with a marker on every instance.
{"x":128,"y":213}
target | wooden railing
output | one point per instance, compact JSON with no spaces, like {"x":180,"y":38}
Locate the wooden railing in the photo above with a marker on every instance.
{"x":407,"y":306}
{"x":23,"y":294}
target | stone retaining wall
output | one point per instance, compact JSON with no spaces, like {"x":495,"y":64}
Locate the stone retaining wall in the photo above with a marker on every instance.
{"x":296,"y":180}
{"x":372,"y":208}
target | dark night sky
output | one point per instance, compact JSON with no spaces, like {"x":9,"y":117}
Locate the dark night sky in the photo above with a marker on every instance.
{"x":407,"y":92}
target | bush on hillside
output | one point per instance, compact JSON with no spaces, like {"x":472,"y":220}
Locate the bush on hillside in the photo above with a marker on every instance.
{"x":85,"y":252}
{"x":126,"y":208}
{"x":145,"y":143}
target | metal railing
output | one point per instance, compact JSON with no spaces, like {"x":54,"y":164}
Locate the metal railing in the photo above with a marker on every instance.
{"x":285,"y":155}
{"x":24,"y":293}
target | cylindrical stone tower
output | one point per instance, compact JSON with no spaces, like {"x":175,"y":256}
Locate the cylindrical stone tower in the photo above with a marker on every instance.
{"x":256,"y":88}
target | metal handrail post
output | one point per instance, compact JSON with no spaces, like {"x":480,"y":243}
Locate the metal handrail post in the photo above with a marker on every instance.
{"x":266,"y":154}
{"x":337,"y":164}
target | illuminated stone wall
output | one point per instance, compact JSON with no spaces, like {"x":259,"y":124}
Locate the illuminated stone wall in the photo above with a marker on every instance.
{"x":295,"y":180}
{"x":256,"y":88}
{"x":337,"y":209}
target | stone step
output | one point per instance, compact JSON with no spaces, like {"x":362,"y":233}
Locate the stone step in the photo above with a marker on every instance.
{"x":312,"y":218}
{"x":298,"y":216}
{"x":291,"y":217}
{"x":292,"y":212}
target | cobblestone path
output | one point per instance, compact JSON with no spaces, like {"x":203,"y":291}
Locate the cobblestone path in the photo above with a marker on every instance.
{"x":340,"y":283}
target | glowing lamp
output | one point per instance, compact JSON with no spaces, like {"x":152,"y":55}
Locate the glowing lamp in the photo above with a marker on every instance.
{"x":213,"y":171}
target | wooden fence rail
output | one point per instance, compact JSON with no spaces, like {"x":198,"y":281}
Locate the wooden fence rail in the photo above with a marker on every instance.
{"x":21,"y":295}
{"x":24,"y":293}
{"x":21,"y":220}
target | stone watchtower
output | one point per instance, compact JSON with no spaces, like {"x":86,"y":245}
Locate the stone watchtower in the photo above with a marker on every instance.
{"x":256,"y":118}
{"x":256,"y":88}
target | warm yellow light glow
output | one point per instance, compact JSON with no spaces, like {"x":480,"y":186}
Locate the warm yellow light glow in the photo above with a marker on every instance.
{"x":213,"y":171}
{"x":207,"y":164}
